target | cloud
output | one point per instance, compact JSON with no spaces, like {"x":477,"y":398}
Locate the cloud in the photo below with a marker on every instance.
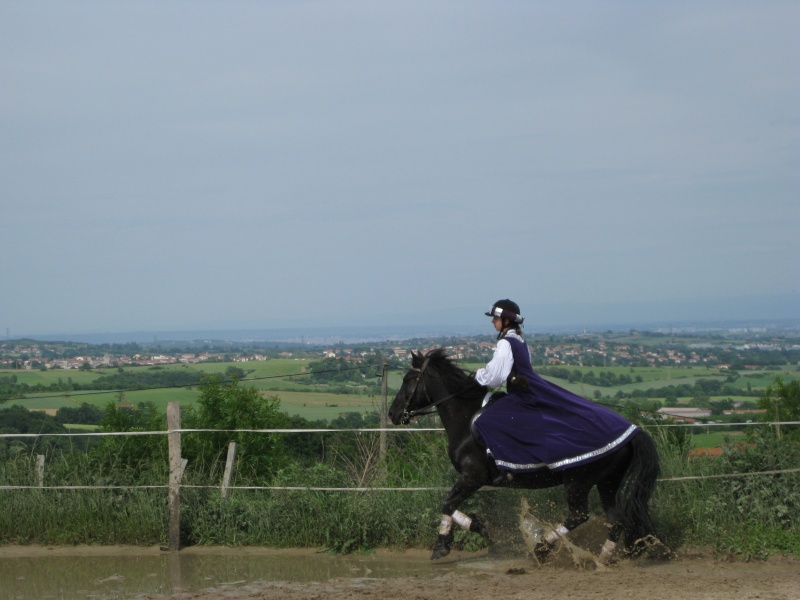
{"x":237,"y":159}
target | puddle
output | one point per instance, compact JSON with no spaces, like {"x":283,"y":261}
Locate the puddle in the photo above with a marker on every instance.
{"x":106,"y":573}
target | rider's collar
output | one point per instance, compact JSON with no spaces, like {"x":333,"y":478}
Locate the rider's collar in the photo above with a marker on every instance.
{"x":514,"y":334}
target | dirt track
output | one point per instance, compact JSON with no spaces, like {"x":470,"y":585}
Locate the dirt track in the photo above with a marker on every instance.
{"x":205,"y":573}
{"x":694,"y":578}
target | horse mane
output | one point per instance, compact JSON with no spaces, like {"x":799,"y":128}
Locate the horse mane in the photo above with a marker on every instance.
{"x":453,"y":377}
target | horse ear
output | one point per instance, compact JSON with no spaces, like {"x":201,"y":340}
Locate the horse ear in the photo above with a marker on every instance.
{"x":415,"y":359}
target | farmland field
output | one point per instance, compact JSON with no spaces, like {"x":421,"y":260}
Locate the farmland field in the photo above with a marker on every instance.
{"x":273,"y":377}
{"x":284,"y":378}
{"x":323,"y":405}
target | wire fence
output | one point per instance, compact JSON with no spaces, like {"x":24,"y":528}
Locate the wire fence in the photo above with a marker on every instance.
{"x":360,"y":489}
{"x":177,"y":464}
{"x":178,"y":431}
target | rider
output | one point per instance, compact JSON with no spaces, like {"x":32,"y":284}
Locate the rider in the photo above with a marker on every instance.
{"x":538,"y":424}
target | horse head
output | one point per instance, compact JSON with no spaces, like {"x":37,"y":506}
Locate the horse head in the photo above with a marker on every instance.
{"x":432,"y":380}
{"x":406,"y":401}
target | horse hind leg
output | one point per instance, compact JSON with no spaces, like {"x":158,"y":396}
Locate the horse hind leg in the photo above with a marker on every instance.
{"x":578,"y":506}
{"x":608,"y":498}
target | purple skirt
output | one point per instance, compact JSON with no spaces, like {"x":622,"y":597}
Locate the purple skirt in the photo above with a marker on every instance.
{"x":549,"y":427}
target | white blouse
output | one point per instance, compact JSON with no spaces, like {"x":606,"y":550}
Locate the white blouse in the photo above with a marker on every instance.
{"x":499,"y":368}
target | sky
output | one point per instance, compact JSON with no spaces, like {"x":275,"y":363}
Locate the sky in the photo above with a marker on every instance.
{"x":179,"y":165}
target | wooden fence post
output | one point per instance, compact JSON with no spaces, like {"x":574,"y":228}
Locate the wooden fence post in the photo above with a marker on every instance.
{"x":226,"y":478}
{"x":384,"y":411}
{"x":175,"y":474}
{"x":40,"y":470}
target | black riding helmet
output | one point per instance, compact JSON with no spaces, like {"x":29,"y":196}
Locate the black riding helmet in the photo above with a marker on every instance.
{"x":506,"y":309}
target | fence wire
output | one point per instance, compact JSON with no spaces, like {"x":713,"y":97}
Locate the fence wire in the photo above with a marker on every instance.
{"x":344,"y":489}
{"x":363,"y":430}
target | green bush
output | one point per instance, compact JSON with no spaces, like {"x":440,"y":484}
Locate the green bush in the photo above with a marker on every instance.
{"x":697,"y":503}
{"x":751,"y":515}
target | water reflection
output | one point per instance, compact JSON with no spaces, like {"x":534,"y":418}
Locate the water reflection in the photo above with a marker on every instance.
{"x":100,"y":573}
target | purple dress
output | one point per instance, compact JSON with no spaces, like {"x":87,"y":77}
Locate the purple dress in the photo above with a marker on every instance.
{"x":541,"y":425}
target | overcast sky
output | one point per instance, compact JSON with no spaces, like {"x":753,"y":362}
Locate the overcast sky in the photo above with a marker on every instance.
{"x":182,"y":165}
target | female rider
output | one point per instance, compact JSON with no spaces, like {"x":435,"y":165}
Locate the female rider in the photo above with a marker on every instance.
{"x":538,"y":425}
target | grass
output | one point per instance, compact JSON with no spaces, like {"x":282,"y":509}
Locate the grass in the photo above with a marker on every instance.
{"x":751,"y":516}
{"x":715,"y":439}
{"x":762,"y":379}
{"x":742,"y":516}
{"x":327,"y":406}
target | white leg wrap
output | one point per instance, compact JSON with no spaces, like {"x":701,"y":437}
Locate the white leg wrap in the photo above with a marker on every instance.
{"x":607,"y":551}
{"x":462,"y":519}
{"x":445,"y":525}
{"x":554,"y":536}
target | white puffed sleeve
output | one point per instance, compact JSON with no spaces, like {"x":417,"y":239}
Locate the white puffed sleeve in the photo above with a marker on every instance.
{"x":497,"y":371}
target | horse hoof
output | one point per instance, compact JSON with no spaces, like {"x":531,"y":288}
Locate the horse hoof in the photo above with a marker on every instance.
{"x":439,"y":553}
{"x":542,"y":551}
{"x":442,"y":546}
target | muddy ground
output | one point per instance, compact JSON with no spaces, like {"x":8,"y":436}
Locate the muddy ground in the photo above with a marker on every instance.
{"x":688,"y":578}
{"x":253,"y":573}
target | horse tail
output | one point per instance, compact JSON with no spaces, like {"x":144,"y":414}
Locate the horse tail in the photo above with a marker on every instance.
{"x":637,"y":486}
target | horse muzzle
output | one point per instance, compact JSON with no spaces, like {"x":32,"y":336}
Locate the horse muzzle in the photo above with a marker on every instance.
{"x":404,"y":418}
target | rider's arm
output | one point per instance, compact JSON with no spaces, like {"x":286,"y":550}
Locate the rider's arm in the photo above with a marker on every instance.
{"x":497,"y":371}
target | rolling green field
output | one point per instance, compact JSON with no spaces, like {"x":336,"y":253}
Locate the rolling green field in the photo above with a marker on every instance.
{"x":277,"y":377}
{"x":712,"y":439}
{"x":314,"y":406}
{"x":284,"y":378}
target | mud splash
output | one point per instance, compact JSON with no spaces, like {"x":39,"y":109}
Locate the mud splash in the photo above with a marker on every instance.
{"x":591,"y":534}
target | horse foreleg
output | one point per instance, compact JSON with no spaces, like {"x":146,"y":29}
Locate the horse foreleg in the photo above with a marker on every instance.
{"x":445,"y":539}
{"x":463,"y":489}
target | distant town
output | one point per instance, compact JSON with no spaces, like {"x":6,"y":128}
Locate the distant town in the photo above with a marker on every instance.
{"x":734,"y":350}
{"x":685,"y":376}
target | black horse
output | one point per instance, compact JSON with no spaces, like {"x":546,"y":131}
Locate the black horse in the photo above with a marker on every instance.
{"x":625,"y":477}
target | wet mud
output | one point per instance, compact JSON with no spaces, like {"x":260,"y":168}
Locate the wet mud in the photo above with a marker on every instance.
{"x":100,"y":573}
{"x":127,"y":572}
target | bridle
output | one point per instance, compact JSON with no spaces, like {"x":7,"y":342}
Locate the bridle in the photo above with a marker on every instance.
{"x":430,"y":407}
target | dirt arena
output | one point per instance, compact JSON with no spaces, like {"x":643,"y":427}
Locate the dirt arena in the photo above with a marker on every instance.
{"x":203,"y":573}
{"x":695,"y":578}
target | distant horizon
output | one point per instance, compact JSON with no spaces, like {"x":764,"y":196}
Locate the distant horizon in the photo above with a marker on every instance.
{"x":769,"y":310}
{"x":459,"y":322}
